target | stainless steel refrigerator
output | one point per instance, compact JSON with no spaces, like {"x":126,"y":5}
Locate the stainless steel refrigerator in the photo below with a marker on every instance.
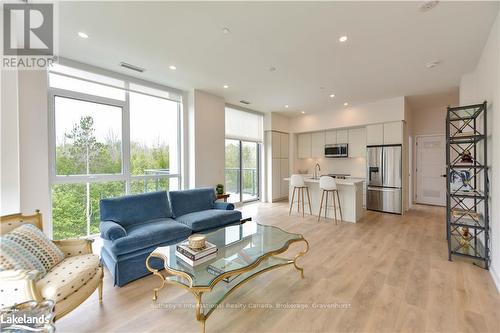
{"x":384,"y":169}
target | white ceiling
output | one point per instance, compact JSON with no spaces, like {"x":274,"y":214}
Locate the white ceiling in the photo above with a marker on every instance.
{"x":389,"y":44}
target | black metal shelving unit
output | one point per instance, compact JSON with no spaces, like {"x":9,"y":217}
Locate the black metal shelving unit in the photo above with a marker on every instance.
{"x":467,"y":184}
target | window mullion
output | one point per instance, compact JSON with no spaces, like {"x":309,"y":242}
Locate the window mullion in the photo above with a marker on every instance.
{"x":126,"y":141}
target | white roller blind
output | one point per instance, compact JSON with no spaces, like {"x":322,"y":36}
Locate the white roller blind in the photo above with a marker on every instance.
{"x":243,"y":125}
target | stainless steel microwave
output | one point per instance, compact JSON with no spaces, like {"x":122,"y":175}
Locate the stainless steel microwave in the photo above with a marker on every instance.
{"x":338,"y":150}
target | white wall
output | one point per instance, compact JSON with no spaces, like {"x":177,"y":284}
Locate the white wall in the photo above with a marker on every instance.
{"x":385,"y":110}
{"x":426,"y":121}
{"x":207,"y":139}
{"x":429,"y":120}
{"x":484,"y":84}
{"x":10,"y":192}
{"x":33,"y":144}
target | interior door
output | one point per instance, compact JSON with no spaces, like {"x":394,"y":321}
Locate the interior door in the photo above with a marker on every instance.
{"x":431,"y":170}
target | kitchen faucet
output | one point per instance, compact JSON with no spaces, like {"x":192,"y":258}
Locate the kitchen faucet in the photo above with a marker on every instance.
{"x":317,"y":168}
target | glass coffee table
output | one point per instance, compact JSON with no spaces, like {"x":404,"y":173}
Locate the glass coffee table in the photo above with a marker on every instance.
{"x":248,"y":249}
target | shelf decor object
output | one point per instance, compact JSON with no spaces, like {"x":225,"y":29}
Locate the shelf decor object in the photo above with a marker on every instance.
{"x":467,"y":185}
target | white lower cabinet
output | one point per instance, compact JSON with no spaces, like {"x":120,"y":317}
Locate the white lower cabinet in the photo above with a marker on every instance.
{"x":284,"y":173}
{"x":280,"y":169}
{"x":276,"y":178}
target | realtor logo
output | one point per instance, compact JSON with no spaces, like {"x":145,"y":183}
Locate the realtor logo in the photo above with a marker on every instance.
{"x":28,"y":29}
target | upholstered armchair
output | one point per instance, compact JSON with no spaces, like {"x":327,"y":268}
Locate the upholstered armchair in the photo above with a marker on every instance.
{"x":68,"y":283}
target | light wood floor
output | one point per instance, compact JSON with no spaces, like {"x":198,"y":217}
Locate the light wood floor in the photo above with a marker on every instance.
{"x":392,"y":270}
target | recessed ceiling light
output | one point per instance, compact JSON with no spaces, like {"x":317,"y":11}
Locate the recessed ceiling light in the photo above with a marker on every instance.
{"x":332,"y":95}
{"x":83,"y":35}
{"x":303,"y":112}
{"x":428,"y":5}
{"x":286,"y":106}
{"x":432,"y":64}
{"x":346,"y":104}
{"x":226,"y":30}
{"x":343,"y":39}
{"x":172,"y":67}
{"x":225,"y":86}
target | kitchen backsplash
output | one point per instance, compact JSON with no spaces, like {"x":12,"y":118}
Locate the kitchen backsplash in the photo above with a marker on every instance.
{"x":356,"y":167}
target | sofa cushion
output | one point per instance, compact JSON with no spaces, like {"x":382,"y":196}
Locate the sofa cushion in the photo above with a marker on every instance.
{"x":149,"y":234}
{"x":131,"y":209}
{"x":189,"y":201}
{"x":68,"y":276}
{"x":209,"y":219}
{"x":27,"y":247}
{"x":111,"y":230}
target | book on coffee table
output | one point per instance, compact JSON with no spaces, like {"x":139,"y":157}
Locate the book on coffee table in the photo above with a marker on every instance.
{"x":198,"y":261}
{"x":195,"y":254}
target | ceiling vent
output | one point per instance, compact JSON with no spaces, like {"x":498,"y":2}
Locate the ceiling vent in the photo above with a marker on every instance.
{"x":428,"y":5}
{"x":432,"y":64}
{"x":244,"y":102}
{"x":131,"y":67}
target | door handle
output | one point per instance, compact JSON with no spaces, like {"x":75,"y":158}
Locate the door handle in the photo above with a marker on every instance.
{"x":443,"y":175}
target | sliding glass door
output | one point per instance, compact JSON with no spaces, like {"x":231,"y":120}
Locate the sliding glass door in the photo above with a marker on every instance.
{"x":242,"y":170}
{"x":249,"y":171}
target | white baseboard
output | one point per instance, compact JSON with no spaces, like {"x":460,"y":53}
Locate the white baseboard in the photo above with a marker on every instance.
{"x":496,"y":277}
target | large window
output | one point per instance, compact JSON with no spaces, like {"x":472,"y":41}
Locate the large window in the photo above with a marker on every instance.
{"x":109,"y":137}
{"x":244,"y":131}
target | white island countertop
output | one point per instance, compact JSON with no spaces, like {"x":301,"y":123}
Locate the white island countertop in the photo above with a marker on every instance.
{"x":350,"y":181}
{"x":350,"y":192}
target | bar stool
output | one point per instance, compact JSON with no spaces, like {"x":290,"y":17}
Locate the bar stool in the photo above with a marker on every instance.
{"x":298,"y":185}
{"x":328,"y":185}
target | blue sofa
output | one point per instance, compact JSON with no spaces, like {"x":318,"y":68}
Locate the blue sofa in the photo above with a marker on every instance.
{"x":133,"y":226}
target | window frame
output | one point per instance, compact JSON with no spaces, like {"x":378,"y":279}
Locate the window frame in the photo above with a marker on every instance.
{"x":125,"y":174}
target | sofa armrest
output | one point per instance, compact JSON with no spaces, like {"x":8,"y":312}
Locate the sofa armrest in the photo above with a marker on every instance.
{"x":111,"y":230}
{"x":223,"y":205}
{"x":74,"y":247}
{"x":17,"y":286}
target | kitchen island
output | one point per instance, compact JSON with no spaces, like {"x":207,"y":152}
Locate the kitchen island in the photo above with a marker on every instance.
{"x":351,"y":198}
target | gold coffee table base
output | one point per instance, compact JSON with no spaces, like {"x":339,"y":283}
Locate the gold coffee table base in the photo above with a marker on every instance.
{"x":185,"y":280}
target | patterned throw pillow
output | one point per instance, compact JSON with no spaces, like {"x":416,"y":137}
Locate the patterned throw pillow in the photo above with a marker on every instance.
{"x":27,"y":247}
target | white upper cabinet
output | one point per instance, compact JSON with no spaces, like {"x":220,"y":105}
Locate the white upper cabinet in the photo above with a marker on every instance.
{"x":284,"y":145}
{"x":318,"y":145}
{"x":385,"y":134}
{"x":276,"y":144}
{"x":375,"y":134}
{"x":357,"y":142}
{"x":330,"y":137}
{"x":342,"y":136}
{"x":304,"y":145}
{"x":393,"y":133}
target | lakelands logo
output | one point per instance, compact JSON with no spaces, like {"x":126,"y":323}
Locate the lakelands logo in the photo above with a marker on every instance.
{"x":24,"y":323}
{"x":28,"y":35}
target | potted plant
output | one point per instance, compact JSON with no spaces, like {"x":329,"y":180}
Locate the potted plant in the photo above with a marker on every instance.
{"x":219,"y":189}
